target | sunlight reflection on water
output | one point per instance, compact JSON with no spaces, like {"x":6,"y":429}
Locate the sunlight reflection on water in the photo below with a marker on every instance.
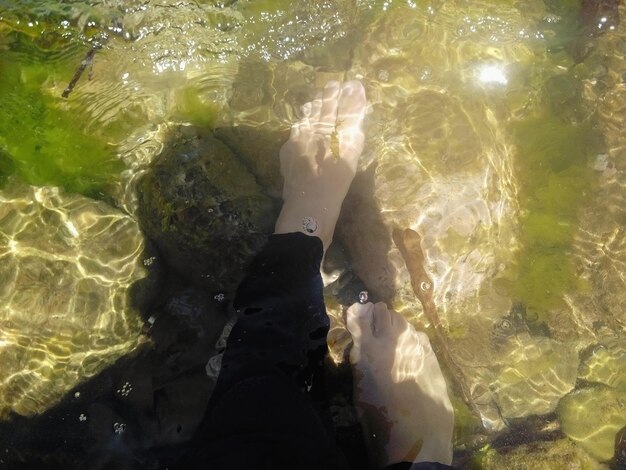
{"x":444,"y":82}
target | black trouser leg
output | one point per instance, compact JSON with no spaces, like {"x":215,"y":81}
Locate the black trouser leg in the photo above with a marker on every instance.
{"x":259,"y":415}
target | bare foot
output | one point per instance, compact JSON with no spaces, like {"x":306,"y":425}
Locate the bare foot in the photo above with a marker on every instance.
{"x":319,"y":160}
{"x":399,"y":390}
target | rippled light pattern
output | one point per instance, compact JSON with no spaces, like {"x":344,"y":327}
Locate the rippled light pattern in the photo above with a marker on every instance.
{"x":67,"y":265}
{"x":447,"y":84}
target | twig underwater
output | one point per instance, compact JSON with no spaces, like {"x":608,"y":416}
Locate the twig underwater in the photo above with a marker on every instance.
{"x":409,"y":243}
{"x":86,"y":62}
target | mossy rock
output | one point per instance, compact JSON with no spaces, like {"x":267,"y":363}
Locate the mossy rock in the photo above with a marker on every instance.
{"x":258,"y":149}
{"x":592,"y":417}
{"x":537,"y":373}
{"x":558,"y":455}
{"x":606,"y":364}
{"x":204,"y":209}
{"x":75,"y":276}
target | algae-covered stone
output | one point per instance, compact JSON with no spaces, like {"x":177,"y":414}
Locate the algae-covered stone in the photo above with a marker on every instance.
{"x":263,"y":111}
{"x":204,"y":209}
{"x":537,"y":373}
{"x":606,"y":364}
{"x":258,"y":149}
{"x":592,"y":417}
{"x":557,"y":455}
{"x":72,"y":271}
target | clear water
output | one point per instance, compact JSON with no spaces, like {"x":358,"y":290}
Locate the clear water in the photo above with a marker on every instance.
{"x":495,"y":130}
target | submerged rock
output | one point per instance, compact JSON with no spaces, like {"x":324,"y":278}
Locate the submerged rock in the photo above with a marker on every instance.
{"x":258,"y":149}
{"x":592,"y":417}
{"x":203,"y":209}
{"x":537,"y":372}
{"x":73,"y":273}
{"x":262,"y":112}
{"x":557,"y":455}
{"x":606,"y":364}
{"x":454,"y":177}
{"x":600,"y":16}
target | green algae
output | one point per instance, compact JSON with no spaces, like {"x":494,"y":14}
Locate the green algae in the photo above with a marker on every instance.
{"x":7,"y":168}
{"x":565,"y":24}
{"x":554,"y":148}
{"x":41,"y":140}
{"x":192,"y":109}
{"x":560,"y":454}
{"x":552,"y":167}
{"x":466,"y":423}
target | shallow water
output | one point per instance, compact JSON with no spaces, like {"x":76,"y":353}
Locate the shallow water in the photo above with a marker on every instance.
{"x":494,"y":130}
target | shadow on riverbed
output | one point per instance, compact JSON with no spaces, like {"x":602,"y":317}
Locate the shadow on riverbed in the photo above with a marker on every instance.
{"x":203,"y":210}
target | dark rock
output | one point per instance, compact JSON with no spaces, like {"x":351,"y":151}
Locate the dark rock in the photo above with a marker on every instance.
{"x":600,"y":16}
{"x":204,"y":209}
{"x":258,"y":149}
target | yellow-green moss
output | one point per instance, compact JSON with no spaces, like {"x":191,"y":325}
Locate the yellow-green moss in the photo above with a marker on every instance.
{"x":41,"y":140}
{"x":554,"y":175}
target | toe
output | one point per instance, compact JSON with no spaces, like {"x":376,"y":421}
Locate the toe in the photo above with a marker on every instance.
{"x":399,"y":323}
{"x":424,"y":341}
{"x":316,"y":108}
{"x":350,"y":115}
{"x":382,"y":319}
{"x":351,"y":106}
{"x":306,"y":109}
{"x":328,"y":113}
{"x":359,"y":320}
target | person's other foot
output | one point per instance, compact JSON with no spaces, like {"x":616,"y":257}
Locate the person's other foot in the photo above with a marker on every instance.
{"x":319,"y":160}
{"x":399,"y":390}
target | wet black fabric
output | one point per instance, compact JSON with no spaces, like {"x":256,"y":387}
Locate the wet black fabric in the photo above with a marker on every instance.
{"x":264,"y":412}
{"x":281,"y":318}
{"x":419,"y":466}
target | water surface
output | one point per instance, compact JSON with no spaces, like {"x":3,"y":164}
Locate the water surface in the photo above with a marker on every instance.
{"x":495,"y":130}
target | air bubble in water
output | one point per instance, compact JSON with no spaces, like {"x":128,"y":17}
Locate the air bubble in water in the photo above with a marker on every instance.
{"x":119,"y":428}
{"x":363,"y":296}
{"x":309,"y":224}
{"x":125,"y":390}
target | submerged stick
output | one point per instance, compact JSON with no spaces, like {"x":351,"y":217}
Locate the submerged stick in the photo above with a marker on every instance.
{"x":410,"y":245}
{"x":87,"y":61}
